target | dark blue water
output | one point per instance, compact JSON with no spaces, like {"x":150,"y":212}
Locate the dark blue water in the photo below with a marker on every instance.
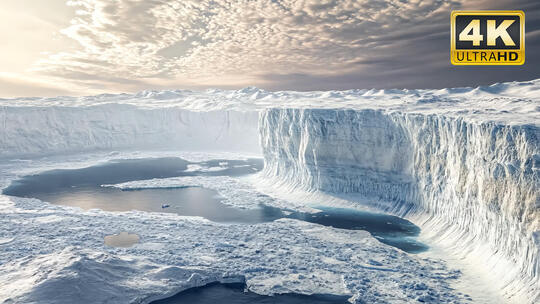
{"x":388,"y":229}
{"x":216,"y":293}
{"x":82,"y":188}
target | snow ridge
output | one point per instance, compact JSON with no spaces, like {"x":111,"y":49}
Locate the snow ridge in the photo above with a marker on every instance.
{"x":477,"y":186}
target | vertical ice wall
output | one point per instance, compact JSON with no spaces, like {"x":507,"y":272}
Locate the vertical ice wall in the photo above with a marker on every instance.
{"x":34,"y":131}
{"x":477,"y":185}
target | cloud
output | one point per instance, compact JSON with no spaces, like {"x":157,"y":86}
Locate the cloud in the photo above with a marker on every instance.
{"x":133,"y":44}
{"x":13,"y":85}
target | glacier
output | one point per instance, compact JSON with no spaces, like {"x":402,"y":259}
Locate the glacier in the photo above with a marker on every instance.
{"x":461,"y":163}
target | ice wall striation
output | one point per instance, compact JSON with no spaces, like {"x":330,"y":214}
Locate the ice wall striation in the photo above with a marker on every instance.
{"x":34,"y":131}
{"x":476,"y":185}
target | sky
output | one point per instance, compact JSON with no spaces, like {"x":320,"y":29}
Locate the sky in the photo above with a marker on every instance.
{"x":86,"y":47}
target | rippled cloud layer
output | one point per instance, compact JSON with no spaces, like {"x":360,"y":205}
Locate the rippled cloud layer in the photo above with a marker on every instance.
{"x":128,"y":45}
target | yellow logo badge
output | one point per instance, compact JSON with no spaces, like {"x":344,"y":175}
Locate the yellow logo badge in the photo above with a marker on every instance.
{"x":487,"y":37}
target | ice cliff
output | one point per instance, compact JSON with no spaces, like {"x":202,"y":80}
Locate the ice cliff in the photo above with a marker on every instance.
{"x":463,"y":163}
{"x":33,"y":131}
{"x":475,"y":185}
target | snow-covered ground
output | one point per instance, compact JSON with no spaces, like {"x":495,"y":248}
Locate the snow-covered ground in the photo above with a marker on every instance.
{"x":463,"y":164}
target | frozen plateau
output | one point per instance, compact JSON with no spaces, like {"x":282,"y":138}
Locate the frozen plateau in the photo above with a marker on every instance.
{"x":463,"y":164}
